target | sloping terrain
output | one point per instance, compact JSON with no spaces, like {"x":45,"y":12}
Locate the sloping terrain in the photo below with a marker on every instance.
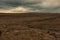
{"x":30,"y":26}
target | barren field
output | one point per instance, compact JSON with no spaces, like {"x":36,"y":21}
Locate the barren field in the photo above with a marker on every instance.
{"x":30,"y":26}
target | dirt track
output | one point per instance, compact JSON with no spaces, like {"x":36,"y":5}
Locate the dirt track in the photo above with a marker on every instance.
{"x":30,"y":26}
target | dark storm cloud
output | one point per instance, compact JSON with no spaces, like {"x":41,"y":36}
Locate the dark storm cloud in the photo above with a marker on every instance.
{"x":30,"y":6}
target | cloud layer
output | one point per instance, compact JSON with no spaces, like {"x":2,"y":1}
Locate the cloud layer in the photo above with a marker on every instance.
{"x":20,"y":6}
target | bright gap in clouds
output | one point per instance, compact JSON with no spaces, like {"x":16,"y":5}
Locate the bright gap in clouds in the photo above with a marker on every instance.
{"x":50,"y":3}
{"x":21,"y":6}
{"x":18,"y":10}
{"x":13,"y":10}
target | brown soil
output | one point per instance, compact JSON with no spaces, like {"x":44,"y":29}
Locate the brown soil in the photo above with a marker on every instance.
{"x":30,"y":26}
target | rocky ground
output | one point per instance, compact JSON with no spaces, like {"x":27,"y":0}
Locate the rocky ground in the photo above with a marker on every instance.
{"x":30,"y":26}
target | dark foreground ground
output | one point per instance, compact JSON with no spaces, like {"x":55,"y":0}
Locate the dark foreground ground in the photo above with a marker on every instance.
{"x":30,"y":26}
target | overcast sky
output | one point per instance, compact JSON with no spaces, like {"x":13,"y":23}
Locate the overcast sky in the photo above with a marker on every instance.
{"x":21,"y":6}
